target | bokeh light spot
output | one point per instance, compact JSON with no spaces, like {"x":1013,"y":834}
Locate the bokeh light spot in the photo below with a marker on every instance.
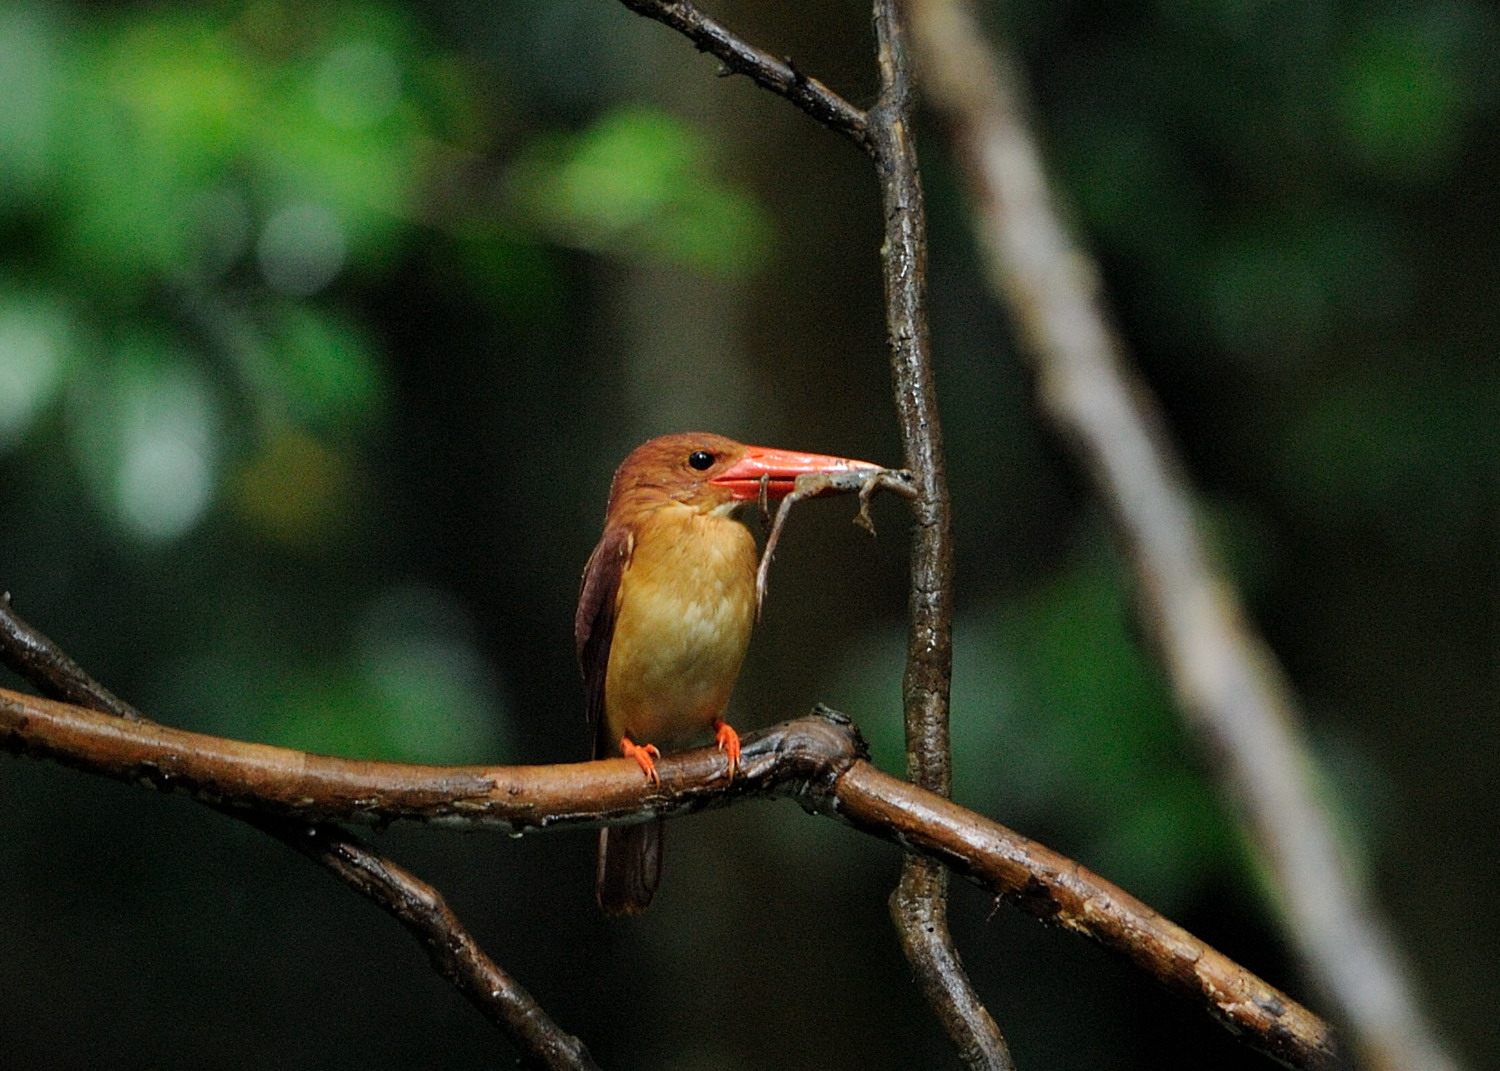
{"x":165,"y":476}
{"x":302,"y":249}
{"x":33,"y":340}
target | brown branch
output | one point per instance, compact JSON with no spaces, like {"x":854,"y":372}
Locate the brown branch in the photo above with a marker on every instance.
{"x":1059,"y":891}
{"x":768,"y":72}
{"x":320,"y":788}
{"x":416,"y":905}
{"x":1228,"y":684}
{"x":818,"y":761}
{"x":919,"y":904}
{"x":919,"y":908}
{"x":904,"y":265}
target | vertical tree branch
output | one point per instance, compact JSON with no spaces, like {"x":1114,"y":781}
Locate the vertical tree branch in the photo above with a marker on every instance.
{"x":1228,"y":684}
{"x":919,"y":906}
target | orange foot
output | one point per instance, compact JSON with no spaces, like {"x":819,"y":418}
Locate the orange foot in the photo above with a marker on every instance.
{"x":645,"y":756}
{"x":729,"y":743}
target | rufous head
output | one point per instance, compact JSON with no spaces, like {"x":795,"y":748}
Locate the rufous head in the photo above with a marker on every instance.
{"x":711,"y":472}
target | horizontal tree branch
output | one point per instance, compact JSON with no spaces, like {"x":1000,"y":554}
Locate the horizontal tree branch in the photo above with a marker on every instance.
{"x":818,"y":761}
{"x":320,"y":788}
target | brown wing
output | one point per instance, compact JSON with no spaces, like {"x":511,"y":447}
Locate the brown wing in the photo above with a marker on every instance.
{"x":594,"y":625}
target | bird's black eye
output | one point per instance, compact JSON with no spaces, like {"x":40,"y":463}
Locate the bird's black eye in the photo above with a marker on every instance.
{"x":700,"y":459}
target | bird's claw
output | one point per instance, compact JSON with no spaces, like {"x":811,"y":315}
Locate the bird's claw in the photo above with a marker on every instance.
{"x":729,"y":743}
{"x":645,"y":756}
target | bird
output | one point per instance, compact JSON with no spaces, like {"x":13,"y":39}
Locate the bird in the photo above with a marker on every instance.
{"x":665,"y":611}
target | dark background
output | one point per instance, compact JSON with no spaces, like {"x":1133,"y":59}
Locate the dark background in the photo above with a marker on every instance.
{"x":322,"y":329}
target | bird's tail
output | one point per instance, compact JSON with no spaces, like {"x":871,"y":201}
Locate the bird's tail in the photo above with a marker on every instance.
{"x":629,"y":867}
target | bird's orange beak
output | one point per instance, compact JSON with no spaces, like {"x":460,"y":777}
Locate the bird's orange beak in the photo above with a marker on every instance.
{"x":777,"y":471}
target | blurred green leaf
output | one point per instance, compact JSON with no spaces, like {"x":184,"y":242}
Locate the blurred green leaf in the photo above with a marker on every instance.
{"x":415,"y":689}
{"x":1392,"y":455}
{"x":640,"y":183}
{"x":1402,"y":96}
{"x":294,"y":488}
{"x":1123,"y":171}
{"x":326,"y":712}
{"x":30,"y":72}
{"x":511,"y":273}
{"x":166,"y":106}
{"x":1278,"y":289}
{"x":323,"y":369}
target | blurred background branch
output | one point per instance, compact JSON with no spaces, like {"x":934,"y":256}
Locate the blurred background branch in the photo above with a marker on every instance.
{"x":1228,"y":684}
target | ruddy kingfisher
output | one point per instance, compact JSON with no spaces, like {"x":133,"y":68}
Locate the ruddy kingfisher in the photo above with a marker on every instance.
{"x":664,"y":616}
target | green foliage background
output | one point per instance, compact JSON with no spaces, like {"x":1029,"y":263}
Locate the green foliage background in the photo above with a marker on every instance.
{"x":322,"y":328}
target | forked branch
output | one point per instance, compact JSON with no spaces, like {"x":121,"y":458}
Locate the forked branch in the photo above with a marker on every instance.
{"x":818,"y":761}
{"x":419,"y":907}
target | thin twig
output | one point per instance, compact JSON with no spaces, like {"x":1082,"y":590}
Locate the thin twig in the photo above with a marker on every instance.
{"x":919,"y":905}
{"x":450,"y":947}
{"x":818,"y":761}
{"x":1228,"y":684}
{"x":741,"y":57}
{"x":41,"y":662}
{"x":416,"y":905}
